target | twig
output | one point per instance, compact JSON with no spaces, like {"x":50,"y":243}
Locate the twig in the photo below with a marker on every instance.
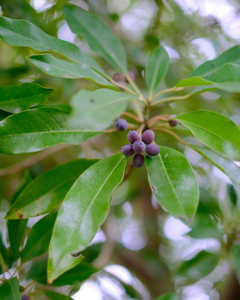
{"x":135,"y":87}
{"x":173,"y":134}
{"x":87,"y":149}
{"x":170,"y":99}
{"x":131,"y":116}
{"x":122,"y":87}
{"x":174,"y":89}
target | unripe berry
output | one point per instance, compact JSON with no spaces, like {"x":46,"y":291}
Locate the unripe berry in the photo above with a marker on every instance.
{"x":148,"y":136}
{"x":173,"y":123}
{"x":133,"y":136}
{"x":138,"y":147}
{"x":138,"y":160}
{"x":127,"y":150}
{"x":121,"y":124}
{"x":152,"y":149}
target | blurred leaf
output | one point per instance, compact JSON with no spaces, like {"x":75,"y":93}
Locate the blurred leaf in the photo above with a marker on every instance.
{"x":99,"y":37}
{"x":20,"y":97}
{"x":56,"y":296}
{"x":48,"y":190}
{"x":218,"y":132}
{"x":173,"y":182}
{"x":37,"y":129}
{"x":98,"y":109}
{"x":202,"y":89}
{"x":235,"y":251}
{"x":168,"y":296}
{"x":60,"y":68}
{"x":9,"y":290}
{"x":156,"y":69}
{"x":232,"y":195}
{"x":83,"y":211}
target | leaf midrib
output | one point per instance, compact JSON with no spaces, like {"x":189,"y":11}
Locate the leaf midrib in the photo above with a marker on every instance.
{"x":155,"y":73}
{"x":108,"y":103}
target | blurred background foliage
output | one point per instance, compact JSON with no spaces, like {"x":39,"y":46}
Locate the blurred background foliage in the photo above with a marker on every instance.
{"x":148,"y":252}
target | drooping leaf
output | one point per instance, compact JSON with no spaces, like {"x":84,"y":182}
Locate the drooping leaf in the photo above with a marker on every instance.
{"x":20,"y":97}
{"x":26,"y":34}
{"x":168,"y":296}
{"x":218,"y":132}
{"x":99,"y":37}
{"x":156,"y":68}
{"x":226,"y":166}
{"x":98,"y":109}
{"x":60,"y":68}
{"x":37,"y":129}
{"x":83,"y":211}
{"x":56,"y":296}
{"x":9,"y":290}
{"x":173,"y":182}
{"x":39,"y":238}
{"x":48,"y":190}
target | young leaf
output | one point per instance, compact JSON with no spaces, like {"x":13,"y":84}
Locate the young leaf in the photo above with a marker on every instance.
{"x":98,"y":109}
{"x":60,"y":68}
{"x":218,"y":132}
{"x":83,"y":211}
{"x":39,"y":238}
{"x":226,"y":166}
{"x":26,"y":34}
{"x":48,"y":190}
{"x":156,"y":68}
{"x":99,"y":37}
{"x":173,"y":182}
{"x":10,"y":289}
{"x":56,"y":296}
{"x":20,"y":97}
{"x":37,"y":129}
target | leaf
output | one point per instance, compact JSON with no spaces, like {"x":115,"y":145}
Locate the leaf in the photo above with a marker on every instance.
{"x":9,"y":290}
{"x":60,"y":68}
{"x":216,"y":131}
{"x":173,"y":182}
{"x":156,"y":68}
{"x":98,"y":109}
{"x":228,"y":167}
{"x":56,"y":296}
{"x":168,"y":296}
{"x":37,"y":129}
{"x":235,"y":252}
{"x":26,"y":34}
{"x":20,"y":97}
{"x":83,"y":211}
{"x":232,"y":195}
{"x":39,"y":238}
{"x":48,"y":190}
{"x":99,"y":37}
{"x":202,"y":89}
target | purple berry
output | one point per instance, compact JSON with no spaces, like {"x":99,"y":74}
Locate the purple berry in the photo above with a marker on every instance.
{"x":152,"y":149}
{"x":25,"y":297}
{"x":133,"y":136}
{"x":148,"y":136}
{"x":132,"y":74}
{"x":119,"y":77}
{"x":173,"y":123}
{"x":138,"y":146}
{"x":138,"y":160}
{"x":127,"y":150}
{"x":121,"y":124}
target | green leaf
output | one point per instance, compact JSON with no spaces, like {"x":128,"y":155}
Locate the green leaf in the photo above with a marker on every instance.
{"x":56,"y":296}
{"x":216,"y":131}
{"x":98,"y":109}
{"x":202,"y":89}
{"x":228,"y":167}
{"x":99,"y":37}
{"x":156,"y":69}
{"x":232,"y":195}
{"x":48,"y":190}
{"x":60,"y":68}
{"x":235,"y":252}
{"x":168,"y":296}
{"x":26,"y":34}
{"x":9,"y":290}
{"x":83,"y":211}
{"x":39,"y":238}
{"x":20,"y":97}
{"x":37,"y":129}
{"x":173,"y":182}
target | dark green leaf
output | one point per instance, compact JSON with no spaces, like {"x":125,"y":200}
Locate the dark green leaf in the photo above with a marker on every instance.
{"x":99,"y":37}
{"x":156,"y":68}
{"x":37,"y":129}
{"x":232,"y":195}
{"x":168,"y":296}
{"x":173,"y":182}
{"x":9,"y":290}
{"x":20,"y":97}
{"x":48,"y":190}
{"x":56,"y":296}
{"x":218,"y":132}
{"x":83,"y":211}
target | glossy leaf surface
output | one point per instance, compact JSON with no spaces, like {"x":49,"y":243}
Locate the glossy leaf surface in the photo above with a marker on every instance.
{"x":48,"y":190}
{"x":56,"y":296}
{"x":60,"y":68}
{"x":20,"y":97}
{"x":37,"y":129}
{"x":83,"y":211}
{"x":173,"y":182}
{"x":9,"y":290}
{"x":156,"y":68}
{"x":218,"y":132}
{"x":99,"y":37}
